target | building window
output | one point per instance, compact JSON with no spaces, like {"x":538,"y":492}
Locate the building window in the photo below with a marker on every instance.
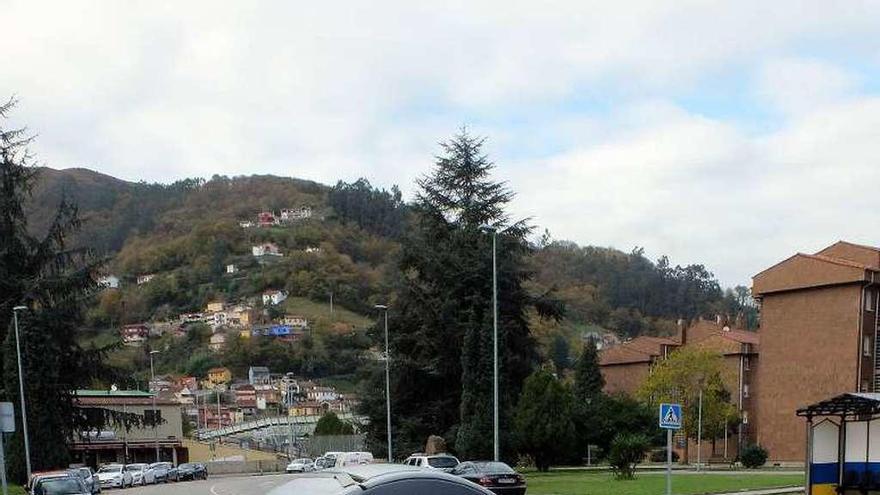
{"x":746,"y":390}
{"x":746,"y":415}
{"x":152,"y":417}
{"x":869,"y":300}
{"x":747,"y":363}
{"x":866,"y":346}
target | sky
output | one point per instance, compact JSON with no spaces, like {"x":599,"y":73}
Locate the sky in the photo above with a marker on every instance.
{"x":732,"y":134}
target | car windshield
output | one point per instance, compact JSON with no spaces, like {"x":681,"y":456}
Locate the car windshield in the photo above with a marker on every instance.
{"x":442,"y":462}
{"x":186,"y":466}
{"x":59,"y":486}
{"x":493,"y":468}
{"x":135,"y":467}
{"x":110,"y":469}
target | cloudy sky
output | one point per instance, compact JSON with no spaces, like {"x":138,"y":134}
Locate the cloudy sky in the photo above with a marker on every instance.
{"x":727,"y":133}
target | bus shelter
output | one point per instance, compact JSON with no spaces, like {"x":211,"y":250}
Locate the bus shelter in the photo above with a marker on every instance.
{"x":843,"y":445}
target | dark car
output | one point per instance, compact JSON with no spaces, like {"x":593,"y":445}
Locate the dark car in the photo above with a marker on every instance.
{"x":379,"y":479}
{"x":496,"y":476}
{"x":88,"y":478}
{"x":192,"y":471}
{"x":165,"y":472}
{"x":69,"y":484}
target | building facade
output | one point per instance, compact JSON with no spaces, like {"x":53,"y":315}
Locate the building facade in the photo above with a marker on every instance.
{"x":162,"y":431}
{"x":818,"y":337}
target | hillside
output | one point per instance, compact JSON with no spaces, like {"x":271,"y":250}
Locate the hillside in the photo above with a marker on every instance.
{"x":188,"y":234}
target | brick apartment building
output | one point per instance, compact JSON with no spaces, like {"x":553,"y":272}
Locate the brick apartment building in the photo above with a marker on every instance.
{"x":819,"y":329}
{"x":627,"y":365}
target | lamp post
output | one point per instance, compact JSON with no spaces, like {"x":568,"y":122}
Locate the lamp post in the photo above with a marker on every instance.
{"x":155,"y":411}
{"x":24,"y":427}
{"x":492,"y":230}
{"x":384,"y":308}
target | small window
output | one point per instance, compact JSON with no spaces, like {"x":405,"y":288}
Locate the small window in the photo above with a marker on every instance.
{"x":745,"y":417}
{"x":869,"y":300}
{"x":865,"y":386}
{"x":866,"y":346}
{"x":747,"y":363}
{"x":152,"y":416}
{"x":746,"y":390}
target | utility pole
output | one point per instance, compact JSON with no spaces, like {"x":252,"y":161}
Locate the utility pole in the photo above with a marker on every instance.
{"x":155,"y":411}
{"x":700,"y":430}
{"x":387,"y":382}
{"x":24,"y":427}
{"x":495,"y":338}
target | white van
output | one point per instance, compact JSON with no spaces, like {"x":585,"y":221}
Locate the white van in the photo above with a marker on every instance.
{"x":344,"y":459}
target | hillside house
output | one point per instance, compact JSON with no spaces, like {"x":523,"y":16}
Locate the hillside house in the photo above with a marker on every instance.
{"x":322,"y":394}
{"x":217,"y":377}
{"x":308,"y":408}
{"x":143,"y":279}
{"x":227,"y":416}
{"x":214,"y":307}
{"x":109,"y":282}
{"x":294,"y":214}
{"x":259,"y":375}
{"x":266,"y":249}
{"x":231,"y":268}
{"x":266,"y":219}
{"x":246,"y":224}
{"x":135,"y":334}
{"x":295,"y":321}
{"x":313,"y":250}
{"x":217,"y":341}
{"x":266,"y":395}
{"x":274,"y":297}
{"x":192,"y":318}
{"x":246,"y":399}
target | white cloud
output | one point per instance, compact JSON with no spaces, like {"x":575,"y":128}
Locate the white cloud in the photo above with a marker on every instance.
{"x":588,"y":106}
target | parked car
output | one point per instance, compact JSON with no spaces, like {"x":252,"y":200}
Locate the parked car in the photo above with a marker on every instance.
{"x":303,"y":465}
{"x":443,"y":462}
{"x":323,"y":463}
{"x":496,"y":476}
{"x":114,"y":476}
{"x":63,"y":484}
{"x":165,"y":472}
{"x":380,"y":479}
{"x":88,"y":478}
{"x":141,"y":474}
{"x":192,"y":471}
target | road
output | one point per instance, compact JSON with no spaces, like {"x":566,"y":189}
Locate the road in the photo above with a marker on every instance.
{"x":221,"y":485}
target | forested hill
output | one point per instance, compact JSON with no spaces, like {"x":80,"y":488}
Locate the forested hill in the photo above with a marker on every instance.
{"x":187,"y":233}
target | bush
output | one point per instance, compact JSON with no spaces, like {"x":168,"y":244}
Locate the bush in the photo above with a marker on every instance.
{"x":627,"y":450}
{"x":753,"y":456}
{"x":659,"y":455}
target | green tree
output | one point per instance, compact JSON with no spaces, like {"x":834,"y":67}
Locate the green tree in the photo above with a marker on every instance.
{"x":543,"y":424}
{"x":588,"y":397}
{"x":54,"y":282}
{"x":330,"y":424}
{"x":627,"y":451}
{"x":559,"y":353}
{"x":683,"y":377}
{"x":441,"y":324}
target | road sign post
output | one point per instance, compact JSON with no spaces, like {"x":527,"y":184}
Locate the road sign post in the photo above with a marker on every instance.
{"x":669,"y":419}
{"x":7,"y":425}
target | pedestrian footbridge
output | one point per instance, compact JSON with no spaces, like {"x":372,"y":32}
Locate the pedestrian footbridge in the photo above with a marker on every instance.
{"x":299,"y":425}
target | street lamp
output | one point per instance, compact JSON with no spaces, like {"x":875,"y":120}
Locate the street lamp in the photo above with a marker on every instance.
{"x":155,"y":411}
{"x":27,"y":447}
{"x":384,"y":308}
{"x":494,"y":232}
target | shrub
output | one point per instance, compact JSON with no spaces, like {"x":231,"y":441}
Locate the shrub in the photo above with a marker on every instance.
{"x":659,"y":455}
{"x":753,"y":456}
{"x":627,"y":450}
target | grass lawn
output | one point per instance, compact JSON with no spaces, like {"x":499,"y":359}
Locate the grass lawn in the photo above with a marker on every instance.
{"x":603,"y":483}
{"x":319,"y":312}
{"x":16,"y":489}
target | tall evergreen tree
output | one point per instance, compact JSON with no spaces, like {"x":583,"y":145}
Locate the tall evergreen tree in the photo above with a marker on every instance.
{"x":53,"y":282}
{"x":441,"y":326}
{"x":588,"y":380}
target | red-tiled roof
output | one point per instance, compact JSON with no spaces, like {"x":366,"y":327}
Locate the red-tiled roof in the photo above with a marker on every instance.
{"x":638,"y":350}
{"x":742,"y":336}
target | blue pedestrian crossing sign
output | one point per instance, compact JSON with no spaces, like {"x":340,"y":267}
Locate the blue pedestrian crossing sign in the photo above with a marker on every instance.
{"x":670,"y":416}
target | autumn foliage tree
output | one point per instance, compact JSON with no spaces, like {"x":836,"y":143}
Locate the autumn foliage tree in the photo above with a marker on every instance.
{"x":683,"y":377}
